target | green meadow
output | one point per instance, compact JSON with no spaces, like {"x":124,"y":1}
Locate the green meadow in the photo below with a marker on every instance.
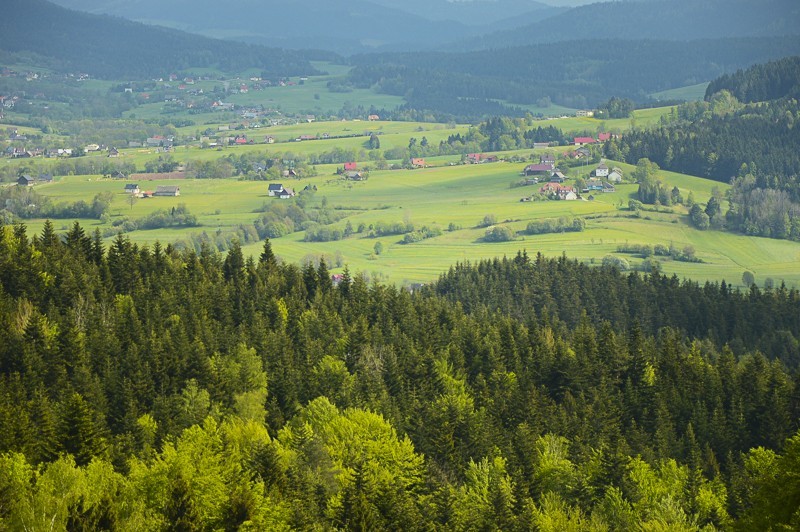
{"x":689,"y":93}
{"x":454,"y":197}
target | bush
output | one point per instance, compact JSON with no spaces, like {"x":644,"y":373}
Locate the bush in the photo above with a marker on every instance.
{"x":499,"y":233}
{"x":616,"y":262}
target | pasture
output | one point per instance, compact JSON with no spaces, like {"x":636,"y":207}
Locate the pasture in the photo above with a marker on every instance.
{"x":451,"y":197}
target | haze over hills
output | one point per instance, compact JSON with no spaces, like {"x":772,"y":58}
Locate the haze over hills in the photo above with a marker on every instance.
{"x":675,"y":20}
{"x":111,"y":47}
{"x":343,"y":26}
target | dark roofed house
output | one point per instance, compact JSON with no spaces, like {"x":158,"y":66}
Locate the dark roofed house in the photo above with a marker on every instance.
{"x":26,"y":181}
{"x":538,"y":169}
{"x":286,"y":193}
{"x":274,"y":189}
{"x":132,"y":188}
{"x":355,"y":176}
{"x":167,"y":190}
{"x":45,"y":178}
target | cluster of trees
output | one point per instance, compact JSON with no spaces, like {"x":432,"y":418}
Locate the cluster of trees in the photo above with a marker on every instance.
{"x":651,"y":190}
{"x":143,"y":387}
{"x":178,"y":216}
{"x":280,"y":218}
{"x":24,"y":203}
{"x":687,"y":254}
{"x":564,"y":224}
{"x":762,"y":82}
{"x":616,"y":108}
{"x":421,"y":234}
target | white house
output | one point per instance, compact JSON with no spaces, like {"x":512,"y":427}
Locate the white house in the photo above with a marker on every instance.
{"x":601,"y":171}
{"x":274,"y":189}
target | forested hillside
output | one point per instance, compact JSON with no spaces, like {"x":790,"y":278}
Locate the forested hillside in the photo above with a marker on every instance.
{"x":583,"y":74}
{"x":673,"y":20}
{"x":145,"y":388}
{"x":113,"y":48}
{"x":752,"y":145}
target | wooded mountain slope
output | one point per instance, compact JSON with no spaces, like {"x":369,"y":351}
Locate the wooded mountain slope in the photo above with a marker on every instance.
{"x":146,"y":388}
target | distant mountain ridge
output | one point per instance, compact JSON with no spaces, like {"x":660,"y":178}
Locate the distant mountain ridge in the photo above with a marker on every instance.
{"x":110,"y":47}
{"x":674,"y":20}
{"x":343,"y":26}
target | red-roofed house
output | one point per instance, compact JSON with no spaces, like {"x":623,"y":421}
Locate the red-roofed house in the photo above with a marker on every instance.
{"x":417,"y":162}
{"x":474,"y":158}
{"x":602,"y":137}
{"x":582,"y":141}
{"x":349,"y":167}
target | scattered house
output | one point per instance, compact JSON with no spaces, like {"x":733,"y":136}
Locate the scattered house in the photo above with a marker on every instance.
{"x":113,"y":152}
{"x":559,"y":191}
{"x":26,"y":181}
{"x":583,"y":141}
{"x":132,"y":188}
{"x":92,"y":147}
{"x":583,"y":113}
{"x":373,"y":118}
{"x":557,"y":176}
{"x":537,"y":169}
{"x":531,"y":181}
{"x":548,"y":158}
{"x":474,"y":158}
{"x":337,"y":278}
{"x":118,"y":175}
{"x":286,"y":193}
{"x":418,"y":162}
{"x":601,"y":170}
{"x":45,"y":178}
{"x":582,"y":152}
{"x":240,"y":139}
{"x":355,"y":176}
{"x":167,"y":190}
{"x":603,"y":137}
{"x":490,"y":159}
{"x":274,"y":189}
{"x":608,"y":187}
{"x":615,"y":176}
{"x":541,"y":145}
{"x":290,"y":173}
{"x":306,"y":137}
{"x":350,"y":167}
{"x":594,"y":185}
{"x":269,"y":139}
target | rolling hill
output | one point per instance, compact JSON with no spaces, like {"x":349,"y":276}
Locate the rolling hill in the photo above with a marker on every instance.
{"x":344,"y":26}
{"x":110,"y":47}
{"x":676,"y":20}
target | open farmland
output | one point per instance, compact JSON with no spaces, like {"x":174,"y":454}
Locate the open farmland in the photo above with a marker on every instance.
{"x":454,"y":197}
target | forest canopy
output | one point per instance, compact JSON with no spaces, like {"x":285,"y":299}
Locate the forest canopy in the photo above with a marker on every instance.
{"x":156,"y":386}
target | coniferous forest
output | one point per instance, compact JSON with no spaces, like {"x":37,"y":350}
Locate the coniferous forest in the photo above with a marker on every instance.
{"x":145,"y":388}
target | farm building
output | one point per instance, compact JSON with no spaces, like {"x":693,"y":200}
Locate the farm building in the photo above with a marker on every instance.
{"x":26,"y":181}
{"x":167,"y":190}
{"x":286,"y":193}
{"x":537,"y":169}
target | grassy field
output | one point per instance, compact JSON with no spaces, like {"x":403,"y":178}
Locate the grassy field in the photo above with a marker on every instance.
{"x":690,"y":93}
{"x":460,"y":195}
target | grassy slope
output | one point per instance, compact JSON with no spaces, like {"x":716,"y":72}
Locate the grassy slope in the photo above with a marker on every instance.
{"x":461,"y":195}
